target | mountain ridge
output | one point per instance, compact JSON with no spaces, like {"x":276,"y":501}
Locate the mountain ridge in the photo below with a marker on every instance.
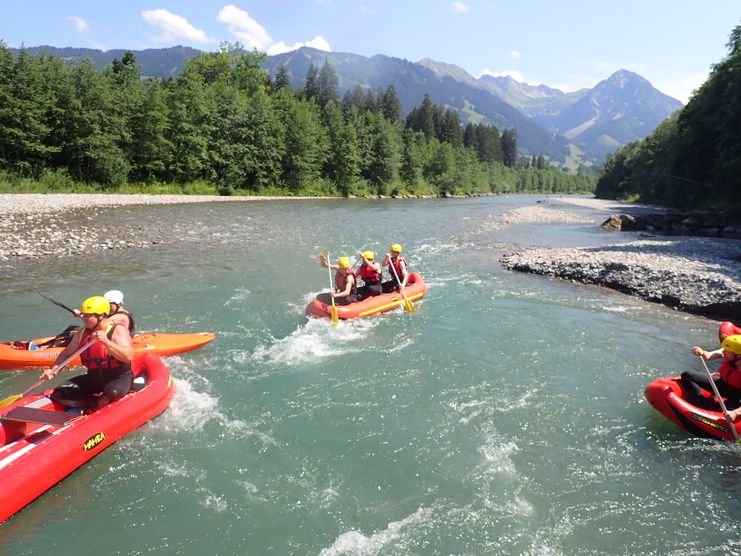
{"x":591,"y":122}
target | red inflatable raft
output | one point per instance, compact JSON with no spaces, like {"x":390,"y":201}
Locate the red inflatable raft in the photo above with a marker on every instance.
{"x":40,"y":443}
{"x":727,"y":328}
{"x":415,"y":289}
{"x":701,"y":417}
{"x":22,"y":358}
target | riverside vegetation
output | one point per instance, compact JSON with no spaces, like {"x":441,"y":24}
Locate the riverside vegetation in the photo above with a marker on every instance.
{"x":692,"y":161}
{"x":224,"y":126}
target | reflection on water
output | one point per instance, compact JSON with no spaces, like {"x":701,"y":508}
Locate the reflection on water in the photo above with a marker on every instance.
{"x":505,"y":416}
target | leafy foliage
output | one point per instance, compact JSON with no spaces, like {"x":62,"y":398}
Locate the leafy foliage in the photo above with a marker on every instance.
{"x":221,"y":125}
{"x":693,"y":159}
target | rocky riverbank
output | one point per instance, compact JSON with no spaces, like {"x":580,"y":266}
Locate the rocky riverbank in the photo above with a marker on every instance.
{"x":33,"y":225}
{"x":699,"y":275}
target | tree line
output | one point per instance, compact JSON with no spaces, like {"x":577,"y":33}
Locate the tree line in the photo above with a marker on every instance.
{"x":225,"y":123}
{"x":692,"y":160}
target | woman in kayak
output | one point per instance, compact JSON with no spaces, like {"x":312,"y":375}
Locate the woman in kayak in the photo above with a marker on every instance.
{"x":370,"y":272}
{"x":345,"y":279}
{"x":395,"y":262}
{"x":729,"y":381}
{"x":108,"y":360}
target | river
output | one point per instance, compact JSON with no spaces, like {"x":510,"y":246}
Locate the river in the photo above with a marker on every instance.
{"x":505,"y":416}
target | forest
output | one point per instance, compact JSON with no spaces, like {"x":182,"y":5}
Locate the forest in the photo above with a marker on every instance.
{"x":692,"y":160}
{"x":224,"y":126}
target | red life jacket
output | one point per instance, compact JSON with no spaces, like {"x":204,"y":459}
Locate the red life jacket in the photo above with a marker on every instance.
{"x":396,"y":265}
{"x":96,"y":357}
{"x":369,"y":275}
{"x":730,"y":373}
{"x":340,"y":280}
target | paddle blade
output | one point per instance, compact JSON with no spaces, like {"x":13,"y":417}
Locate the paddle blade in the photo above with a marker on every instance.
{"x":408,"y":306}
{"x":10,"y":399}
{"x":335,"y":316}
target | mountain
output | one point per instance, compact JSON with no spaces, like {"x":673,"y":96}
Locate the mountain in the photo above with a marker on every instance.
{"x":619,"y":110}
{"x":534,"y":101}
{"x":579,"y":126}
{"x":447,"y":85}
{"x":154,"y":62}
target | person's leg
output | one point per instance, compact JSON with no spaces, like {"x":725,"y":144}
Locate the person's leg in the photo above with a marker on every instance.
{"x":76,"y":392}
{"x":114,"y":390}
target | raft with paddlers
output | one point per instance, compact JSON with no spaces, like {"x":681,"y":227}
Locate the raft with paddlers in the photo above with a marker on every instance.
{"x":42,"y":352}
{"x":41,"y":442}
{"x":415,"y":289}
{"x":700,"y":416}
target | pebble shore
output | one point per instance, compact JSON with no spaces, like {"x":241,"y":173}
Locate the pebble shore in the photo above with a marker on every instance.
{"x":40,"y":225}
{"x":699,"y":275}
{"x":694,"y":274}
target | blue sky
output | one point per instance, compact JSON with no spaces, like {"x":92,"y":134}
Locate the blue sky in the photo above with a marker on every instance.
{"x":567,"y":45}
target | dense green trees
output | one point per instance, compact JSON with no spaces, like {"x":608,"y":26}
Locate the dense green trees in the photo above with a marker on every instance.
{"x":223,"y":122}
{"x":692,"y":159}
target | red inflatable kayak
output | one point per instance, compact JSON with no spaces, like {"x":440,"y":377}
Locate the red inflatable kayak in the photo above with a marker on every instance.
{"x":40,"y":443}
{"x":16,"y":355}
{"x":701,"y":417}
{"x":415,"y":289}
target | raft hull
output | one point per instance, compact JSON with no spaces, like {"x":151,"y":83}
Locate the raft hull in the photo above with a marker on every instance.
{"x":156,"y":342}
{"x":667,"y":396}
{"x":415,"y":289}
{"x":35,"y":456}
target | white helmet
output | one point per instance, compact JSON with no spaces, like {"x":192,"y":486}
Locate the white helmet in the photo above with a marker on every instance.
{"x":114,"y":296}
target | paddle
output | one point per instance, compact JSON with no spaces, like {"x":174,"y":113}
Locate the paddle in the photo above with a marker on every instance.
{"x":407,"y":304}
{"x":334,"y":316}
{"x":720,"y":401}
{"x":15,"y":397}
{"x":62,"y":305}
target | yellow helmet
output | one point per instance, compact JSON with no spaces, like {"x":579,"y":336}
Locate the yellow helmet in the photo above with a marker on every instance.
{"x":396,"y":248}
{"x":96,"y":305}
{"x":732,"y":344}
{"x":370,"y":255}
{"x":343,"y":262}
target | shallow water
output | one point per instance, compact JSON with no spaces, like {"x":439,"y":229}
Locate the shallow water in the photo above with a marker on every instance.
{"x":505,"y":416}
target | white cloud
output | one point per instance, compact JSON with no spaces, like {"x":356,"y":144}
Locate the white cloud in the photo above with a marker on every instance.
{"x":174,"y":27}
{"x":514,"y":74}
{"x":320,"y":43}
{"x":459,"y":7}
{"x":514,"y":54}
{"x":244,"y":27}
{"x":365,"y":10}
{"x":78,"y":23}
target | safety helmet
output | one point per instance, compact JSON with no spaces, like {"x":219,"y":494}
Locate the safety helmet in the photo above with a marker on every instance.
{"x":396,"y":248}
{"x":732,"y":344}
{"x":96,"y":305}
{"x":370,"y":255}
{"x":114,"y":296}
{"x":343,"y":262}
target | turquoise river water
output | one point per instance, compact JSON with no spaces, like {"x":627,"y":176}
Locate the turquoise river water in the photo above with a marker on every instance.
{"x":505,"y":416}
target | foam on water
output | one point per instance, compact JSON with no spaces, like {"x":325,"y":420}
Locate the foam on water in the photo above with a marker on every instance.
{"x":316,"y":341}
{"x":355,"y":542}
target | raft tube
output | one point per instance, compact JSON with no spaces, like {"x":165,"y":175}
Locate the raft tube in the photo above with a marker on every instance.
{"x":415,"y":289}
{"x":727,"y":328}
{"x":156,"y":342}
{"x":702,"y":417}
{"x":41,"y":442}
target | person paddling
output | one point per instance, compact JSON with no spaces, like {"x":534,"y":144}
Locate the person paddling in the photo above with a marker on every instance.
{"x":118,"y":313}
{"x":395,"y":262}
{"x":346,"y":282}
{"x":108,"y":360}
{"x":729,"y":379}
{"x":370,"y":272}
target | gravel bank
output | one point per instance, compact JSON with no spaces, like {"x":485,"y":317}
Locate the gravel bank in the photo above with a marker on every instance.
{"x":42,"y":225}
{"x":693,"y":274}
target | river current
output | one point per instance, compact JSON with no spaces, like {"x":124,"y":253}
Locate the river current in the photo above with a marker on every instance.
{"x":505,"y":416}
